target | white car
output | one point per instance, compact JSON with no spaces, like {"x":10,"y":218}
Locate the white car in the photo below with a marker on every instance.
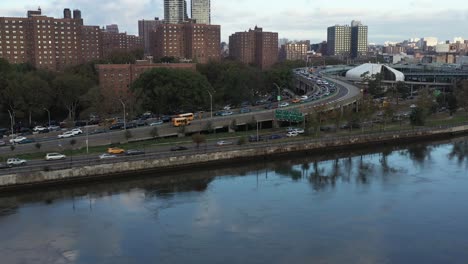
{"x":66,"y":134}
{"x":107,"y":156}
{"x":292,"y":134}
{"x":283,"y":104}
{"x":227,"y":107}
{"x":304,"y":97}
{"x":226,"y":113}
{"x":157,"y":123}
{"x":223,"y":143}
{"x":76,"y":131}
{"x":15,"y":162}
{"x":299,"y":130}
{"x":53,"y":128}
{"x":17,"y":140}
{"x":55,"y":156}
{"x":39,"y":128}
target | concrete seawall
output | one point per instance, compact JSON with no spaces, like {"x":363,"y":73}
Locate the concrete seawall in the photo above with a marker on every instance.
{"x":109,"y":171}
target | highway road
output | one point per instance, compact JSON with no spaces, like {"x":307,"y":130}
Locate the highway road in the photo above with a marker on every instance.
{"x":50,"y":143}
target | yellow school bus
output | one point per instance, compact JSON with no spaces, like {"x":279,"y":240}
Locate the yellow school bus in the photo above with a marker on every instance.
{"x":189,"y":116}
{"x":180,"y":121}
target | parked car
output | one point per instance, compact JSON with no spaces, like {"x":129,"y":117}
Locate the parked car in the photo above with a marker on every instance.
{"x":132,"y":152}
{"x":115,"y":150}
{"x":296,"y":100}
{"x":166,"y":118}
{"x":55,"y":156}
{"x":299,"y":130}
{"x":116,"y":126}
{"x":107,"y":156}
{"x":245,"y":110}
{"x":272,"y":137}
{"x":292,"y":134}
{"x":178,"y":148}
{"x":226,"y":113}
{"x":223,"y":143}
{"x":131,"y":125}
{"x":17,"y":139}
{"x":253,"y":138}
{"x":66,"y":134}
{"x":39,"y":128}
{"x":2,"y":143}
{"x":76,"y":131}
{"x":26,"y":141}
{"x":53,"y":128}
{"x":157,"y":123}
{"x":283,"y":104}
{"x":15,"y":162}
{"x":227,"y":107}
{"x":304,"y":97}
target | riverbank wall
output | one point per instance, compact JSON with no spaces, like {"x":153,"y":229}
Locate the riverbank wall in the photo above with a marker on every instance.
{"x":110,"y":171}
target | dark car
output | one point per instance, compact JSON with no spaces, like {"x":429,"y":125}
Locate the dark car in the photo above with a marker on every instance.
{"x":140,"y":123}
{"x":43,"y":131}
{"x":132,"y":152}
{"x":166,"y":118}
{"x":131,"y":125}
{"x":26,"y":141}
{"x":245,"y":110}
{"x":275,"y":137}
{"x":116,"y":126}
{"x":253,"y":138}
{"x":178,"y":148}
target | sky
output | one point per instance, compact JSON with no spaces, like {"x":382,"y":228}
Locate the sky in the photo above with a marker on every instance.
{"x":394,"y":20}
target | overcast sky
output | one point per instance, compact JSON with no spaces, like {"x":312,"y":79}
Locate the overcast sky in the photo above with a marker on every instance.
{"x":393,"y":20}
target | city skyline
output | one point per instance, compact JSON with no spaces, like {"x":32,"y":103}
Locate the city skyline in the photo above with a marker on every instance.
{"x":404,"y":20}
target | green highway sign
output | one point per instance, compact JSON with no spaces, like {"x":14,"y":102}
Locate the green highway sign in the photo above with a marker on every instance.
{"x":289,"y":116}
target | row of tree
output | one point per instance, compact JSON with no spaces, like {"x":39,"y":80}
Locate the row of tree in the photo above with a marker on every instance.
{"x":74,"y":93}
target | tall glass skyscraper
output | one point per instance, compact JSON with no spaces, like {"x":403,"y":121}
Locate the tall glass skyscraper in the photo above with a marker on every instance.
{"x":201,"y":11}
{"x":175,"y":11}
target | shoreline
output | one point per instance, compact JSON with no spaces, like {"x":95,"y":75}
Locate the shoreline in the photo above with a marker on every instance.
{"x":199,"y":161}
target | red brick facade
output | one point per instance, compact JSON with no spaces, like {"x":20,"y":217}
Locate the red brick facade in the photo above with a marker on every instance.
{"x":255,"y":47}
{"x":115,"y":79}
{"x":197,"y":42}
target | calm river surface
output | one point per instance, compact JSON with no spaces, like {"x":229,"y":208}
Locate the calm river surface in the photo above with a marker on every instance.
{"x":406,"y":205}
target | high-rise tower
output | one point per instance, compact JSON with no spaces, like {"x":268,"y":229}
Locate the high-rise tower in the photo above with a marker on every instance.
{"x":201,"y":11}
{"x":175,"y":11}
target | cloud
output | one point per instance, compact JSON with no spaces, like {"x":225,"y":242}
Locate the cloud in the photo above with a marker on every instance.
{"x":305,"y":19}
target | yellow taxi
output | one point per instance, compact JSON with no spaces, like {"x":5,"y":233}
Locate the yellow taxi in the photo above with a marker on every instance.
{"x":115,"y":150}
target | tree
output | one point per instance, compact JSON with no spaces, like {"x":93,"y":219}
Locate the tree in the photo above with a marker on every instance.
{"x":426,"y":102}
{"x":452,"y":103}
{"x":418,"y":117}
{"x":36,"y":94}
{"x":388,"y":113}
{"x":164,"y":90}
{"x":461,"y":94}
{"x":198,"y":139}
{"x":402,"y":90}
{"x":233,"y":125}
{"x":70,"y":90}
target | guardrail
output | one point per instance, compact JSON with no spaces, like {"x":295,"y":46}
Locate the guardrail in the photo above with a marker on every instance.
{"x":153,"y":153}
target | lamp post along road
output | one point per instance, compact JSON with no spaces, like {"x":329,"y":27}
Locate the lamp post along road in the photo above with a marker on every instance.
{"x":48,"y":115}
{"x":124,"y":115}
{"x":11,"y":120}
{"x":211,"y":104}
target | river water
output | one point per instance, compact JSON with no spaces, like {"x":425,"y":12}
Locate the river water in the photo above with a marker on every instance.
{"x":385,"y":205}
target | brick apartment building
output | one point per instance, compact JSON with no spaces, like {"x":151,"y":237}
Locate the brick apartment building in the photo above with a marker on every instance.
{"x":255,"y":47}
{"x":112,"y":42}
{"x":197,"y":42}
{"x":52,"y":43}
{"x":115,"y":79}
{"x":294,"y":50}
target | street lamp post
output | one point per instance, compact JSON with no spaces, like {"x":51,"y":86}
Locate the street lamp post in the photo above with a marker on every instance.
{"x":124,"y":114}
{"x":211,"y":103}
{"x":11,"y":120}
{"x":279,"y":92}
{"x":48,"y":115}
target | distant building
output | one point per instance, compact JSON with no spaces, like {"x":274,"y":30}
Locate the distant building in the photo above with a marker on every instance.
{"x":339,"y":41}
{"x":47,"y":42}
{"x":359,"y":40}
{"x":145,"y":27}
{"x":393,"y":49}
{"x":115,"y":79}
{"x":121,"y":42}
{"x":175,"y":11}
{"x":294,"y":50}
{"x":346,"y":41}
{"x":201,"y":11}
{"x":112,"y":29}
{"x":255,"y":47}
{"x":196,"y":42}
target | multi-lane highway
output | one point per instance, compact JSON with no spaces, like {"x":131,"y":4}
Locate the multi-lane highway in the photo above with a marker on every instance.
{"x":345,"y":94}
